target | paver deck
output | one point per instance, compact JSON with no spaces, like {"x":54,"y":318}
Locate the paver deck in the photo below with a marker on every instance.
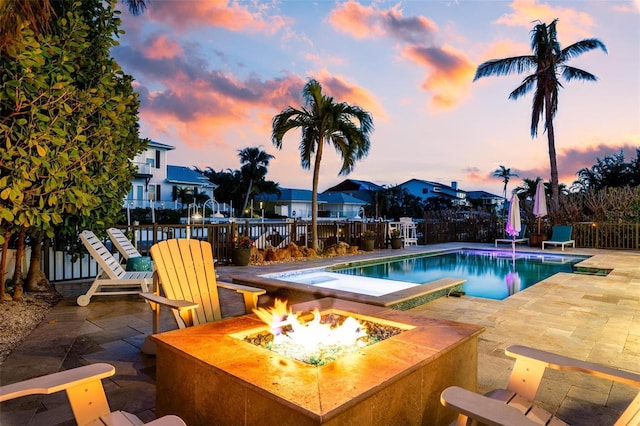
{"x":593,"y":318}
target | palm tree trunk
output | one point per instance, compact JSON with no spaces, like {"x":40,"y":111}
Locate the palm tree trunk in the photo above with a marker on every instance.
{"x":314,"y":195}
{"x":555,"y":192}
{"x":246,"y":197}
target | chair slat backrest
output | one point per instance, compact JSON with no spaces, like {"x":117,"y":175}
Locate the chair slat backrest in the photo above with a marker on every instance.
{"x":102,"y":255}
{"x":122,"y":243}
{"x":186,"y":272}
{"x":630,"y":416}
{"x":561,"y":233}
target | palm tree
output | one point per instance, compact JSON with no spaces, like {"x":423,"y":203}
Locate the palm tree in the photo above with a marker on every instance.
{"x":37,"y":15}
{"x":254,"y":168}
{"x":341,"y":125}
{"x":548,"y":61}
{"x":504,"y":174}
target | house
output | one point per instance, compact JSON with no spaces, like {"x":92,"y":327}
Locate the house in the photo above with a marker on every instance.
{"x":296,"y":203}
{"x":485,"y":199}
{"x":425,"y":189}
{"x":361,"y":189}
{"x":158,"y":182}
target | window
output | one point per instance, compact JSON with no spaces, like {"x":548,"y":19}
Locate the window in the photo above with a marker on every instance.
{"x":151,"y":162}
{"x":157,"y":158}
{"x":139,"y":192}
{"x":151,"y":192}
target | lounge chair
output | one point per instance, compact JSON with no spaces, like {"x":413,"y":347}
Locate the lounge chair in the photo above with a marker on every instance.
{"x":122,"y":243}
{"x":185,"y":275}
{"x":560,"y":236}
{"x":111,"y":275}
{"x":519,"y":239}
{"x":83,"y":386}
{"x":514,"y":406}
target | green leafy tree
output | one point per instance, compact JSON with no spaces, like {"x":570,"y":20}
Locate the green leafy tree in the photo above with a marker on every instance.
{"x":548,"y":62}
{"x":68,"y":121}
{"x":321,"y":120}
{"x":254,"y":168}
{"x":36,"y":14}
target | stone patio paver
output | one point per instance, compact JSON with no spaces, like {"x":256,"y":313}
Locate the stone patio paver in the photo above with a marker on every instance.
{"x":588,"y":317}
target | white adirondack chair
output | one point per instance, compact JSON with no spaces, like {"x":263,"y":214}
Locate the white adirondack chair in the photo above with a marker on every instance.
{"x":88,"y":401}
{"x":112,"y":279}
{"x":514,"y":406}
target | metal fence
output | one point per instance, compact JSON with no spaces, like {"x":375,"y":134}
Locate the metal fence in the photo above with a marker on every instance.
{"x":60,"y":265}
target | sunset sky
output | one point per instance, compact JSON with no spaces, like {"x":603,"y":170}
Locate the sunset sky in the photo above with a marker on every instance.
{"x":212,"y":74}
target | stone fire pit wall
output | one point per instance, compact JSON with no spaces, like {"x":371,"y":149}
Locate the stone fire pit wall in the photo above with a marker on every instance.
{"x":208,"y":377}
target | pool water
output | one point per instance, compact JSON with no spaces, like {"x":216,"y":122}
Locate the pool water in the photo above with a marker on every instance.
{"x":489,"y":274}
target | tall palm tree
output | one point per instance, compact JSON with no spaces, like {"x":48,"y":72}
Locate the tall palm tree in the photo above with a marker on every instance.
{"x":37,"y":14}
{"x":254,"y":168}
{"x":548,"y":61}
{"x":341,"y":125}
{"x":505,"y":174}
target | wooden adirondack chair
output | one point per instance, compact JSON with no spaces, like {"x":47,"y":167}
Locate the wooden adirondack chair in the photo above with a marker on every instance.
{"x":122,"y":243}
{"x":185,"y":275}
{"x":514,"y":406}
{"x":83,"y":386}
{"x":112,"y":279}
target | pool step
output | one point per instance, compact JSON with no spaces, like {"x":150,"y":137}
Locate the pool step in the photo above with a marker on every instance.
{"x":429,"y":291}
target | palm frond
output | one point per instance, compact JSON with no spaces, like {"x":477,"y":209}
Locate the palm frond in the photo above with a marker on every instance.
{"x":524,"y":88}
{"x":506,"y":66}
{"x":571,"y":73}
{"x":581,"y":47}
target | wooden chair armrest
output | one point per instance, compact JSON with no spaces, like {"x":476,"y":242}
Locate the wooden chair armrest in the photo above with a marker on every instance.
{"x":250,"y":294}
{"x":483,"y":409}
{"x":57,"y":382}
{"x":180,"y":305}
{"x":240,"y":288}
{"x":560,"y":362}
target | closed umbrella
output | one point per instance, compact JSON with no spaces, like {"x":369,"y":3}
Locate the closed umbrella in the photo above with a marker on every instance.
{"x":513,"y":220}
{"x":540,"y":203}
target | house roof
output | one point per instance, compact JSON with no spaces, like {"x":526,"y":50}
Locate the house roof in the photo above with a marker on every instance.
{"x":154,"y":144}
{"x":340,"y":198}
{"x":355,"y":185}
{"x":474,"y":195}
{"x":290,"y":195}
{"x":186,"y":176}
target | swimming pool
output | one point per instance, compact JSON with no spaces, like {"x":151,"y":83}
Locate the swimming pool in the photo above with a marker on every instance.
{"x":488,"y":273}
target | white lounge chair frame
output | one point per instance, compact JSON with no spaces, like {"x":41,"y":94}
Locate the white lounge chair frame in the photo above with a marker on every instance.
{"x":520,"y":238}
{"x":85,"y":392}
{"x":122,"y":243}
{"x":555,"y":241}
{"x":514,"y":406}
{"x":112,"y":279}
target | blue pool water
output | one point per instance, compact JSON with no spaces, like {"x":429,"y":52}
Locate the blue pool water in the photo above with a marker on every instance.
{"x":489,"y":274}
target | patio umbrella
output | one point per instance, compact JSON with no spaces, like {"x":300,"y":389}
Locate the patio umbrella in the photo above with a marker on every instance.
{"x":513,"y":220}
{"x":540,"y":203}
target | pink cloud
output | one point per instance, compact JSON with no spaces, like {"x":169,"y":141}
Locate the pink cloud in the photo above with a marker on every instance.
{"x":572,"y":24}
{"x":233,"y":16}
{"x":342,"y":91}
{"x":159,"y":47}
{"x":369,"y":22}
{"x":449,"y":73}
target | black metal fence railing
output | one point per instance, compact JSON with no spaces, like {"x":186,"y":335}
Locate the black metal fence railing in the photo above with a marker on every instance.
{"x":58,"y":265}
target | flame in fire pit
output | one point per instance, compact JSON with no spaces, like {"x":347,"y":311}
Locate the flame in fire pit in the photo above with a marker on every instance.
{"x":310,"y":341}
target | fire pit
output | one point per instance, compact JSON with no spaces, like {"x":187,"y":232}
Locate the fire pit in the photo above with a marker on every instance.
{"x":208,"y":375}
